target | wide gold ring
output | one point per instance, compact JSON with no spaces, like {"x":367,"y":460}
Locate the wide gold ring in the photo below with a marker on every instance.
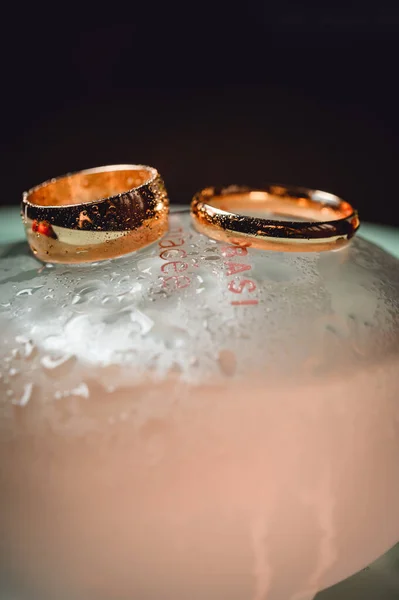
{"x":302,"y":220}
{"x":95,"y":214}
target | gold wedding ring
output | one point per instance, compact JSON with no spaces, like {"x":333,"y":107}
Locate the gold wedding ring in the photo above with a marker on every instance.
{"x":277,"y":217}
{"x":95,"y":214}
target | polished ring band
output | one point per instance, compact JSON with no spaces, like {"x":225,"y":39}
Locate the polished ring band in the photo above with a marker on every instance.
{"x":300,"y":220}
{"x":95,"y":214}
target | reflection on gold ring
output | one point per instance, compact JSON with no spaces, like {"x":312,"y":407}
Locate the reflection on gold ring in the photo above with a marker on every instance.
{"x":95,"y":214}
{"x":277,"y":217}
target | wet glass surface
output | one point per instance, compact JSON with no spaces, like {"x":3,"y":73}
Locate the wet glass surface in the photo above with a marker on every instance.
{"x":268,"y":380}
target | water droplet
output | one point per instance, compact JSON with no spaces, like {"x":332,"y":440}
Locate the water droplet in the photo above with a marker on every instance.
{"x":175,"y":337}
{"x":29,"y":291}
{"x":145,"y":322}
{"x":136,"y":288}
{"x":86,"y":291}
{"x":89,"y":287}
{"x":12,"y":372}
{"x":26,"y":395}
{"x":160,"y":293}
{"x":109,"y":300}
{"x":147,"y":264}
{"x":171,"y":254}
{"x":50,"y":362}
{"x":81,"y":390}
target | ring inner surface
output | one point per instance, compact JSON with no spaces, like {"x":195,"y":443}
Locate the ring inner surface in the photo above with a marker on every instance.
{"x":267,"y":205}
{"x":85,"y":187}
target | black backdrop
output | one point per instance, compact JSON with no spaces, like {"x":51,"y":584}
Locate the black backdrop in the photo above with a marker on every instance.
{"x":291,"y":93}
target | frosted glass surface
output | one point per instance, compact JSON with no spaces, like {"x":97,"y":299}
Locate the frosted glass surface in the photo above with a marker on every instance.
{"x":198,"y":420}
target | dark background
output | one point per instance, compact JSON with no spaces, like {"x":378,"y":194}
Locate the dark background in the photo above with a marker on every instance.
{"x":297,"y":93}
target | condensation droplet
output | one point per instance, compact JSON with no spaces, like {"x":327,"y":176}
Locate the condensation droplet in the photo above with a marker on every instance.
{"x":145,"y":322}
{"x":88,"y":287}
{"x":49,"y":362}
{"x":160,"y":293}
{"x":109,"y":300}
{"x":147,"y":264}
{"x":81,"y":390}
{"x":175,"y":337}
{"x":136,"y":288}
{"x":26,"y":395}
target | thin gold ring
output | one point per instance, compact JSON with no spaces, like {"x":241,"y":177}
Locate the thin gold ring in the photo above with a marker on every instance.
{"x":95,"y":214}
{"x":324,"y":221}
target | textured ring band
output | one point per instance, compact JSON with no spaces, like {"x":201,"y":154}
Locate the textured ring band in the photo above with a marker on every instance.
{"x":323,"y":220}
{"x":95,"y":214}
